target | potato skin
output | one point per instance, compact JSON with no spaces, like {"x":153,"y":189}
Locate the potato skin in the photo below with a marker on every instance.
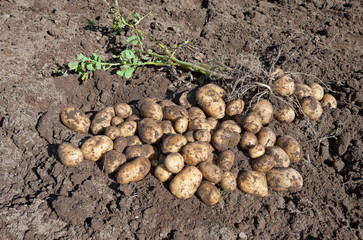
{"x":226,"y":160}
{"x":311,"y":108}
{"x":133,"y":141}
{"x":211,"y":172}
{"x":116,"y":120}
{"x":123,"y":110}
{"x":167,"y":127}
{"x":166,"y":103}
{"x":112,"y":160}
{"x":302,"y":90}
{"x":224,"y":139}
{"x":173,"y":143}
{"x":174,"y":112}
{"x":229,"y":181}
{"x":128,"y":128}
{"x":70,"y":155}
{"x":329,"y":100}
{"x":144,"y":150}
{"x":198,"y":123}
{"x":186,"y":182}
{"x":133,"y":171}
{"x":202,"y":135}
{"x":248,"y":140}
{"x":162,"y":173}
{"x":151,"y":110}
{"x":211,"y":102}
{"x":231,"y":125}
{"x":285,"y":114}
{"x":120,"y":143}
{"x":196,"y":152}
{"x":284,"y":86}
{"x":195,"y":112}
{"x":213,"y":123}
{"x":235,"y":107}
{"x":220,"y":91}
{"x":181,"y":124}
{"x":112,"y":132}
{"x":264,"y":163}
{"x":252,"y":123}
{"x":264,"y":110}
{"x":189,"y":136}
{"x":95,"y":147}
{"x":253,"y":182}
{"x":187,"y":99}
{"x":291,"y":146}
{"x":280,"y":156}
{"x":149,"y":131}
{"x":208,"y":193}
{"x":266,"y":137}
{"x":256,"y":151}
{"x":174,"y":162}
{"x":284,"y":179}
{"x":102,"y":120}
{"x":317,"y":91}
{"x":75,"y":120}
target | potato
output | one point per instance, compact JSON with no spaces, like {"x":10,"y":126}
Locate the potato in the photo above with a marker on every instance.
{"x":133,"y":171}
{"x":133,"y":118}
{"x":120,"y":143}
{"x":277,"y":73}
{"x":128,"y":128}
{"x":224,"y":139}
{"x":174,"y":162}
{"x":211,"y":172}
{"x":167,"y":127}
{"x":285,"y":114}
{"x":211,"y":102}
{"x":70,"y":155}
{"x":189,"y":136}
{"x":181,"y":124}
{"x":280,"y":156}
{"x":231,"y":125}
{"x":253,"y":182}
{"x":329,"y":100}
{"x":302,"y":90}
{"x":95,"y":147}
{"x":166,"y":103}
{"x":235,"y":107}
{"x":256,"y":151}
{"x":213,"y":123}
{"x":196,"y":152}
{"x":172,"y":113}
{"x":264,"y":163}
{"x":187,"y":99}
{"x":133,"y":141}
{"x":291,"y":147}
{"x":220,"y":91}
{"x":123,"y":110}
{"x":75,"y":120}
{"x":186,"y":182}
{"x":252,"y":122}
{"x":173,"y":143}
{"x":266,"y":137}
{"x":284,"y":86}
{"x":195,"y":112}
{"x":311,"y":108}
{"x":229,"y":181}
{"x":198,"y":123}
{"x":284,"y":179}
{"x":144,"y":100}
{"x":248,"y":140}
{"x":151,"y":110}
{"x":113,"y":132}
{"x":154,"y":163}
{"x":162,"y":173}
{"x":112,"y":160}
{"x":226,"y":160}
{"x":317,"y":91}
{"x":264,"y":110}
{"x":102,"y":120}
{"x":116,"y":120}
{"x":208,"y":193}
{"x":202,"y":135}
{"x":144,"y":150}
{"x":149,"y":131}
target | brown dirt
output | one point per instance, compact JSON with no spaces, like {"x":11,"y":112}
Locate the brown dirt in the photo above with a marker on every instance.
{"x":43,"y":199}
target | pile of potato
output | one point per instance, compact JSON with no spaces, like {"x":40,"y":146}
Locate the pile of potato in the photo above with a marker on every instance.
{"x":189,"y":144}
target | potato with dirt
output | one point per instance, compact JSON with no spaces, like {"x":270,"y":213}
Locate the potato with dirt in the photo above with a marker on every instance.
{"x":329,"y":100}
{"x":133,"y":141}
{"x":70,"y":155}
{"x":174,"y":162}
{"x":174,"y":112}
{"x":284,"y":179}
{"x":195,"y":112}
{"x":196,"y":152}
{"x":198,"y":123}
{"x":231,"y":125}
{"x":211,"y":172}
{"x":264,"y":163}
{"x":167,"y":127}
{"x":128,"y":128}
{"x":235,"y":107}
{"x":280,"y":156}
{"x":113,"y":132}
{"x":248,"y":140}
{"x":302,"y":90}
{"x":181,"y":124}
{"x":95,"y":147}
{"x":291,"y":146}
{"x":173,"y":143}
{"x":226,"y":160}
{"x":166,"y":103}
{"x":229,"y":181}
{"x":133,"y":171}
{"x":186,"y":182}
{"x":317,"y":91}
{"x":253,"y":183}
{"x":219,"y":90}
{"x":285,"y":114}
{"x":284,"y":86}
{"x":266,"y":137}
{"x":211,"y":102}
{"x":123,"y":110}
{"x":102,"y":120}
{"x":143,"y":150}
{"x":112,"y":160}
{"x":151,"y":110}
{"x":149,"y":131}
{"x":224,"y":139}
{"x":202,"y":135}
{"x":162,"y":173}
{"x":311,"y":107}
{"x":264,"y":110}
{"x":208,"y":193}
{"x":188,"y":99}
{"x":252,"y":122}
{"x":256,"y":151}
{"x":75,"y":120}
{"x":120,"y":143}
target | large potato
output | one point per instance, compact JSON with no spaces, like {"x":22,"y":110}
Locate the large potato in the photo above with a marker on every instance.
{"x":173,"y":143}
{"x":195,"y":112}
{"x":302,"y":90}
{"x":123,"y":110}
{"x":266,"y":137}
{"x":174,"y":162}
{"x":264,"y":163}
{"x":95,"y":147}
{"x":252,"y":122}
{"x":248,"y":140}
{"x":235,"y":107}
{"x":196,"y":152}
{"x":172,"y":113}
{"x":112,"y":160}
{"x":312,"y":108}
{"x":128,"y":128}
{"x":291,"y":147}
{"x":162,"y":173}
{"x":284,"y":179}
{"x":198,"y":123}
{"x":280,"y":156}
{"x":133,"y":171}
{"x":284,"y":86}
{"x":151,"y":110}
{"x":211,"y":102}
{"x":231,"y":125}
{"x":144,"y":150}
{"x":208,"y":193}
{"x":224,"y":139}
{"x":211,"y":172}
{"x":264,"y":110}
{"x":187,"y":99}
{"x":253,"y":182}
{"x":149,"y":131}
{"x":229,"y":181}
{"x":70,"y":155}
{"x":226,"y":160}
{"x":75,"y":120}
{"x":102,"y":120}
{"x":186,"y":182}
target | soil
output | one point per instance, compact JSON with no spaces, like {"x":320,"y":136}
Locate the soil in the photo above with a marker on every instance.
{"x":40,"y":198}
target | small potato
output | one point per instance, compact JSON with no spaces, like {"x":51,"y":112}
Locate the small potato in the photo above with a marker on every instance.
{"x":256,"y":151}
{"x":278,"y":73}
{"x":112,"y":160}
{"x":224,"y":139}
{"x":291,"y":147}
{"x":181,"y":124}
{"x":187,"y":99}
{"x":264,"y":110}
{"x":133,"y":141}
{"x":102,"y":120}
{"x":70,"y":155}
{"x":311,"y":108}
{"x":113,"y":132}
{"x":317,"y":91}
{"x":266,"y":137}
{"x":128,"y":128}
{"x":186,"y":182}
{"x":235,"y":107}
{"x":264,"y":163}
{"x":231,"y":125}
{"x":166,"y":103}
{"x":202,"y":135}
{"x":172,"y":113}
{"x":252,"y":123}
{"x":198,"y":123}
{"x":220,"y":91}
{"x":229,"y":181}
{"x":162,"y":173}
{"x":226,"y":160}
{"x":329,"y":100}
{"x":195,"y":112}
{"x":144,"y":150}
{"x":75,"y":120}
{"x":189,"y":136}
{"x":151,"y":110}
{"x":196,"y":152}
{"x":284,"y":86}
{"x":213,"y":123}
{"x":174,"y":162}
{"x":284,"y":179}
{"x":133,"y":171}
{"x":167,"y":127}
{"x":211,"y":102}
{"x":211,"y":172}
{"x":95,"y":147}
{"x":208,"y":193}
{"x":248,"y":140}
{"x":285,"y":114}
{"x":149,"y":131}
{"x":302,"y":90}
{"x":173,"y":143}
{"x":123,"y":110}
{"x":253,"y":182}
{"x":280,"y":156}
{"x":120,"y":144}
{"x":116,"y":120}
{"x":154,"y":163}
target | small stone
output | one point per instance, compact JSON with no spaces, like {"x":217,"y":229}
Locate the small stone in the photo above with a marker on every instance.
{"x":242,"y":235}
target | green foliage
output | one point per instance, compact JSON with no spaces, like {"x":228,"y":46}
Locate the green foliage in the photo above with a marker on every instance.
{"x":223,"y":194}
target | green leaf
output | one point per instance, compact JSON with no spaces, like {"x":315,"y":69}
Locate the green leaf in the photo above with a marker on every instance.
{"x":120,"y":72}
{"x":135,"y":42}
{"x":137,"y":16}
{"x":128,"y":72}
{"x":128,"y":53}
{"x":98,"y":66}
{"x":133,"y":37}
{"x":84,"y":77}
{"x":73,"y":65}
{"x":82,"y":57}
{"x":90,"y":67}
